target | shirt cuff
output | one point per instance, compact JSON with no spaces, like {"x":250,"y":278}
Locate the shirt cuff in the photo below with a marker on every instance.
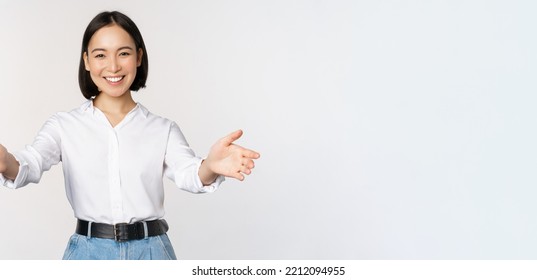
{"x":21,"y":176}
{"x":209,"y":188}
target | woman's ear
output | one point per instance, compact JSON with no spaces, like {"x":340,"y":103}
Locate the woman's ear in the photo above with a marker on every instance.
{"x":86,"y":62}
{"x":140,"y":55}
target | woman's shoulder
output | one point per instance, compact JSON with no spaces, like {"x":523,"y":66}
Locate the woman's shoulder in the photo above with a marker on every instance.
{"x":155,"y":118}
{"x":86,"y":106}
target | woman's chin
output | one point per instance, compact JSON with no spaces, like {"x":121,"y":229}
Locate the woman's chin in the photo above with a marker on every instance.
{"x":115,"y":93}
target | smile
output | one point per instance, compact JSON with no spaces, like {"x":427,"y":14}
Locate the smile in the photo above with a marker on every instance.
{"x":114,"y":79}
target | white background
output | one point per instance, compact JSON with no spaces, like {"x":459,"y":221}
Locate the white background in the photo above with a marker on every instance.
{"x":387,"y":129}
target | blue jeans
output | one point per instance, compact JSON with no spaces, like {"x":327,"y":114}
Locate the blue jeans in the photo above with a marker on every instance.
{"x":81,"y":247}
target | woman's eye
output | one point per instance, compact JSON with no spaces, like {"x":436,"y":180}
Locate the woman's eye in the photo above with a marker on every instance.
{"x":124,"y":54}
{"x":99,"y":55}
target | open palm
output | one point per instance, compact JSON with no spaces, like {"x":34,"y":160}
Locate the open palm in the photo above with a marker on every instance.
{"x":231,"y":160}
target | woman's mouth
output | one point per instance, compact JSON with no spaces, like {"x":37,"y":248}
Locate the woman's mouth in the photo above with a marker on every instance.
{"x":114,"y":79}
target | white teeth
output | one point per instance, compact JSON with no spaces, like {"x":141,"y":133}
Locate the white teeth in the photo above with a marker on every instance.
{"x":114,"y":79}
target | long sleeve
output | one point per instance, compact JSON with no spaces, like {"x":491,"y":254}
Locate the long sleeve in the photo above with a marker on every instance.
{"x":112,"y":174}
{"x":181,"y":165}
{"x":38,"y":157}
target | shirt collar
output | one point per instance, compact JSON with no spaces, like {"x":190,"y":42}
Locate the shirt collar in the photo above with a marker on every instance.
{"x":143,"y":110}
{"x":87,"y":107}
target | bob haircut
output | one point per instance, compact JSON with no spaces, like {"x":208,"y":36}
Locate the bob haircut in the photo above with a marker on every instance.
{"x":87,"y":86}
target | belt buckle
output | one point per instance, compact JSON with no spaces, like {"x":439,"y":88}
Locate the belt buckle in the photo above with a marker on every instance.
{"x":121,"y":232}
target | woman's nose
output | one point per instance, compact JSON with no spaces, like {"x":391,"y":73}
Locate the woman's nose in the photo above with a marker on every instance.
{"x":113,"y":65}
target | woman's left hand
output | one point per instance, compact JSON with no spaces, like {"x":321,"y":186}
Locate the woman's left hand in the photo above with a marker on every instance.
{"x":230,"y":160}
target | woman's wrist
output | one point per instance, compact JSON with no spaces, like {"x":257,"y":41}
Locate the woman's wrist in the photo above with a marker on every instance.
{"x":207,"y":176}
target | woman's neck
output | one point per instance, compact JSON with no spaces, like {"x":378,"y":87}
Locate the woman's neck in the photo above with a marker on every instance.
{"x":120,"y":105}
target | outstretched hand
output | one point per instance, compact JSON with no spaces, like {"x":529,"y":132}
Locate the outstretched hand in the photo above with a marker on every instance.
{"x":9,"y":166}
{"x":3,"y":159}
{"x":230,"y":160}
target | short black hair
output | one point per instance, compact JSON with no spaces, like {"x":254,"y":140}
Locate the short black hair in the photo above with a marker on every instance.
{"x":87,"y":86}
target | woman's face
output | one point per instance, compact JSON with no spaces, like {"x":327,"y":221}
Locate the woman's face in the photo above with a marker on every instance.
{"x":112,"y":60}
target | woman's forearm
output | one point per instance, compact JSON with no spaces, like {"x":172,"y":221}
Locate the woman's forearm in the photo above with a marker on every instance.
{"x":207,"y":177}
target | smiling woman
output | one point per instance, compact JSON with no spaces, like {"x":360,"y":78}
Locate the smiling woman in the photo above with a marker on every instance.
{"x":113,"y":180}
{"x":108,"y":37}
{"x":112,"y":60}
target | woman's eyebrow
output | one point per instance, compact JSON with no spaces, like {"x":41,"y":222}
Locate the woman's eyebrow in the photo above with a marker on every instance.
{"x":102,"y":50}
{"x":98,"y":50}
{"x":125,"y":48}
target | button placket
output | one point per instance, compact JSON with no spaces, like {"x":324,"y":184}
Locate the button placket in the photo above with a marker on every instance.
{"x":116,"y":200}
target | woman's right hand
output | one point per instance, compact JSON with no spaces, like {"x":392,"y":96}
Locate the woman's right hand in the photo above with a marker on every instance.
{"x":3,"y":159}
{"x":9,"y":166}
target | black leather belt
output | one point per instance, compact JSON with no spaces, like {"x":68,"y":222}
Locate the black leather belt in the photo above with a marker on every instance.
{"x":122,"y":231}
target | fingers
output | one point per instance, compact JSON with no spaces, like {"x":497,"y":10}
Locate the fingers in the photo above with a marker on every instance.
{"x":243,"y":152}
{"x":232,"y":137}
{"x":247,"y":153}
{"x":237,"y":175}
{"x":245,"y":168}
{"x":240,"y":161}
{"x":250,"y":154}
{"x":248,"y":163}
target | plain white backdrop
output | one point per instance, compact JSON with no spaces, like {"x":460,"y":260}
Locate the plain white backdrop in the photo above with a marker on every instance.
{"x":387,"y":129}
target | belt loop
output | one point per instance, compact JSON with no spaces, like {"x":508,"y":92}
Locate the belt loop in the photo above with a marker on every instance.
{"x":89,"y":229}
{"x":145,"y":229}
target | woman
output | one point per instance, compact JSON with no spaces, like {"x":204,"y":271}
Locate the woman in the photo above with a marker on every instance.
{"x":114,"y":152}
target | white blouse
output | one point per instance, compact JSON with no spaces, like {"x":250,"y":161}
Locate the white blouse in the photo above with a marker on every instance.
{"x":112,"y":174}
